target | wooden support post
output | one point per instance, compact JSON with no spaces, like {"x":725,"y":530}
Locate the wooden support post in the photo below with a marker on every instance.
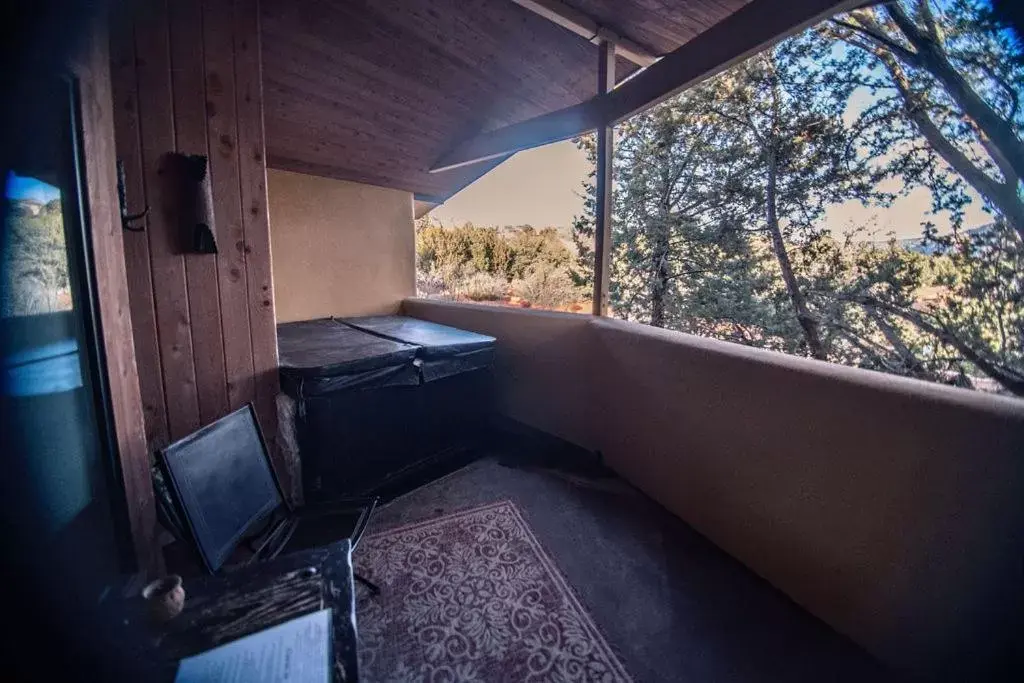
{"x":603,"y":209}
{"x":585,"y":27}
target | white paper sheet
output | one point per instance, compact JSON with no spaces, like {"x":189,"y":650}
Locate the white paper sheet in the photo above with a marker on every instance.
{"x":297,"y":651}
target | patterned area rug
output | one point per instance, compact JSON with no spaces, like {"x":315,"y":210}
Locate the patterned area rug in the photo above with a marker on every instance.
{"x":472,"y":596}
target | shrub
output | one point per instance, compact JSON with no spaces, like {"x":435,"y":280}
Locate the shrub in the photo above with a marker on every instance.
{"x":431,"y":285}
{"x":483,"y":287}
{"x":546,"y":286}
{"x":457,"y":252}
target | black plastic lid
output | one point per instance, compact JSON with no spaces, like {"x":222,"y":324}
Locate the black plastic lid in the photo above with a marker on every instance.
{"x":328,"y":347}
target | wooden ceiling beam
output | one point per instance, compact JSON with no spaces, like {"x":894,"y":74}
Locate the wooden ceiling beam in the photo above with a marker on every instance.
{"x":742,"y":34}
{"x":582,"y":25}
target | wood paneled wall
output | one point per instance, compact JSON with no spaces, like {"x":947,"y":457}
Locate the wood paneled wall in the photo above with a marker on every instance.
{"x":186,"y":76}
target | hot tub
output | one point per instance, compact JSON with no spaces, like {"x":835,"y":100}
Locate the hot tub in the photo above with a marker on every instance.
{"x":381,"y":400}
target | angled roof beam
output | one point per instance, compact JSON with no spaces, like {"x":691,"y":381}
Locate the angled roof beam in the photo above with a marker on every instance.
{"x":740,"y":35}
{"x":582,"y":25}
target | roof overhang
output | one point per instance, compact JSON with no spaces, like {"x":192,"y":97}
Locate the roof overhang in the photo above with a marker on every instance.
{"x":385,"y":92}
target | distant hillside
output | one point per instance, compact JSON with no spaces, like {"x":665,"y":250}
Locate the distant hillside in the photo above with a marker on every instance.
{"x":922,"y":246}
{"x":564,"y":231}
{"x":33,"y":207}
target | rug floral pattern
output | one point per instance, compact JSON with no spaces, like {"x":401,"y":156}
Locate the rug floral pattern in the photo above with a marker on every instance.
{"x":472,"y":596}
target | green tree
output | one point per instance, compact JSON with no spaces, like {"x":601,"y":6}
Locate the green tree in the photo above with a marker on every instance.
{"x":800,"y":157}
{"x":678,"y":253}
{"x":786,"y":141}
{"x":946,"y":78}
{"x":974,"y":320}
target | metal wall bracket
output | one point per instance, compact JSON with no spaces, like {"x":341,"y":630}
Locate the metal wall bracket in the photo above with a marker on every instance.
{"x":126,"y":218}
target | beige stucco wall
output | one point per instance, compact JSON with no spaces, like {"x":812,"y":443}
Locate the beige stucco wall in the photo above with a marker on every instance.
{"x":339,"y":248}
{"x":542,"y":363}
{"x":890,"y":508}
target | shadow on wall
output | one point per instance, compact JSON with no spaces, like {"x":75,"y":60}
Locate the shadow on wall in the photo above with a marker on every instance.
{"x":888,"y":507}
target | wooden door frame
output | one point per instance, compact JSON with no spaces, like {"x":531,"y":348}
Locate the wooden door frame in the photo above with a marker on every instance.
{"x":97,"y":158}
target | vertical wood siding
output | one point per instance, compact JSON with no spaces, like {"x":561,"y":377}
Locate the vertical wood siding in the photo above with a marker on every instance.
{"x":187,"y":79}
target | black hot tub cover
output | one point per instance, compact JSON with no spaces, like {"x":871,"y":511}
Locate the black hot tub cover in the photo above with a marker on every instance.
{"x":442,"y":351}
{"x":325,"y":355}
{"x":330,"y":354}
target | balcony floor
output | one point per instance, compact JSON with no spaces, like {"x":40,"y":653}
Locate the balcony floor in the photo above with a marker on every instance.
{"x":674,"y":606}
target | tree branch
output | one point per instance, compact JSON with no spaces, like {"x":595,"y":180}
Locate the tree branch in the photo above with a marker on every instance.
{"x":1008,"y":91}
{"x":892,"y":336}
{"x":877,"y":36}
{"x":925,"y":8}
{"x":906,"y":25}
{"x":687,"y":273}
{"x":1008,"y":379}
{"x":880,"y":362}
{"x":1003,"y":196}
{"x":737,"y":120}
{"x":933,"y":59}
{"x":1010,"y":177}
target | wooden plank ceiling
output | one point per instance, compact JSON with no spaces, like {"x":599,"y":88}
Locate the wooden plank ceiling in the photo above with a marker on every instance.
{"x":376,"y":91}
{"x":662,"y":25}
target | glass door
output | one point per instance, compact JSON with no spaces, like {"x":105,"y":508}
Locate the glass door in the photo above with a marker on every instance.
{"x":53,"y":377}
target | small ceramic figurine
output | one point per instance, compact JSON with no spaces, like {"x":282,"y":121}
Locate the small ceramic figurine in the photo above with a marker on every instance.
{"x":165,"y":597}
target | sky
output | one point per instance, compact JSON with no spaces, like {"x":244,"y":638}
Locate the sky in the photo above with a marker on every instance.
{"x":540,"y":186}
{"x":543,"y":187}
{"x":23,"y":187}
